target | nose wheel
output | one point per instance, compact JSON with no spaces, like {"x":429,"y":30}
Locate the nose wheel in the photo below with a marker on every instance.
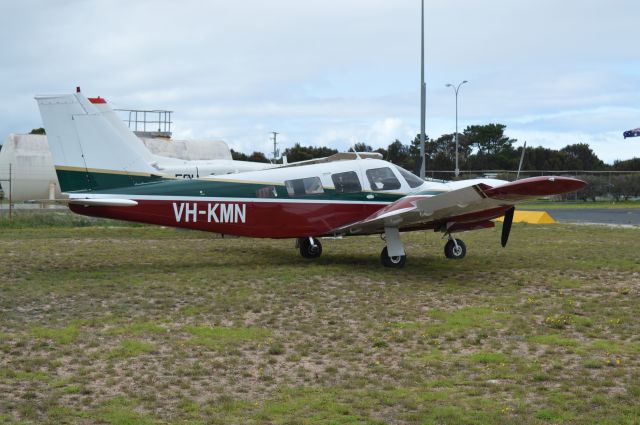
{"x":455,"y":249}
{"x":309,"y":247}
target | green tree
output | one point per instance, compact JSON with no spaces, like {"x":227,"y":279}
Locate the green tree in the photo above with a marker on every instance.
{"x":39,"y":130}
{"x":400,"y":154}
{"x":494,"y":149}
{"x":632,"y":164}
{"x":579,"y":156}
{"x":238,"y":156}
{"x":257,"y":157}
{"x":304,"y":153}
{"x":361,"y":147}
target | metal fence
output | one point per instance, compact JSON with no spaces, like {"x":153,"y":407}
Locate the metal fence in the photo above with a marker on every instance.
{"x":601,"y":185}
{"x":514,"y":175}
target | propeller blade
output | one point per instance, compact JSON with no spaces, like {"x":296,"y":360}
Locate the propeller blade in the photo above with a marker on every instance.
{"x":506,"y":225}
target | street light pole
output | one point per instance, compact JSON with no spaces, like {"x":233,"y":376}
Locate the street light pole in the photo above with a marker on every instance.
{"x":457,"y":89}
{"x":423,"y":95}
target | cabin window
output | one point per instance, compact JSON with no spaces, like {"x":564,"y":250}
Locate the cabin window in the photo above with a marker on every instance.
{"x":346,"y":182}
{"x":308,"y":186}
{"x":267,"y":192}
{"x":382,"y":179}
{"x":413,"y":180}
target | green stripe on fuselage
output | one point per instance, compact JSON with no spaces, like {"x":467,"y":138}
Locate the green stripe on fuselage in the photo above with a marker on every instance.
{"x":121,"y":184}
{"x":83,"y":181}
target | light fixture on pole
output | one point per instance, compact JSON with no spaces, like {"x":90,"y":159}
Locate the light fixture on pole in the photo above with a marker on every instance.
{"x":457,"y":89}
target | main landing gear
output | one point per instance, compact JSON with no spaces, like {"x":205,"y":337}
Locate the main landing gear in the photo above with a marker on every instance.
{"x":309,"y":247}
{"x":393,"y":262}
{"x":393,"y":254}
{"x":455,"y":249}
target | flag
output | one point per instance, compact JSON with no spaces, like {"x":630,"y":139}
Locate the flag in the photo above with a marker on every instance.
{"x":632,"y":133}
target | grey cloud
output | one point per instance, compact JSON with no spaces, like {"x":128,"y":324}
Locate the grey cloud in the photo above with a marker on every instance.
{"x":312,"y":69}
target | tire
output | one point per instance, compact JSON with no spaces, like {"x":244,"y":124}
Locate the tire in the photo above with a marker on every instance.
{"x":307,"y":250}
{"x":392,"y":262}
{"x":452,"y":253}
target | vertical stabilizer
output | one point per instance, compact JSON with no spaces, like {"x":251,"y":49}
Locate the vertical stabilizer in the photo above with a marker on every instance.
{"x":136,"y":144}
{"x":89,"y":153}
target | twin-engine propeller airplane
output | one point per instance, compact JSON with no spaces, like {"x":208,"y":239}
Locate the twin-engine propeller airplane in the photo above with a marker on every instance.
{"x":344,"y":195}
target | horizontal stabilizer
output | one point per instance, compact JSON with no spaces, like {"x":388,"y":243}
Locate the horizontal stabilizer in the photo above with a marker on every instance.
{"x":103,"y":202}
{"x":88,"y":202}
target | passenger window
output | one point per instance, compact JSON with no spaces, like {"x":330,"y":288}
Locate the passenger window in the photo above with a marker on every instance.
{"x":308,"y":186}
{"x":413,"y":180}
{"x":346,"y":182}
{"x":382,"y":179}
{"x":267,"y":192}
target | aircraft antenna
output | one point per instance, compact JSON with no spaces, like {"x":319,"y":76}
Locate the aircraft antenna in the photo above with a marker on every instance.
{"x":524,"y":148}
{"x":353,"y":148}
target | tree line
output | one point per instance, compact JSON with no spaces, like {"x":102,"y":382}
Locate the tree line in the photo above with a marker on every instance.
{"x":480,"y":147}
{"x":484,"y":148}
{"x":487,"y":147}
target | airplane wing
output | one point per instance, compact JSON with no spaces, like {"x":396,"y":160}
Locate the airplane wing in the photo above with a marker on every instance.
{"x":468,"y":208}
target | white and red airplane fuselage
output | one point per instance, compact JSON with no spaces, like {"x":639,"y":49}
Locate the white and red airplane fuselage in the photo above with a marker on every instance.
{"x":347,"y":194}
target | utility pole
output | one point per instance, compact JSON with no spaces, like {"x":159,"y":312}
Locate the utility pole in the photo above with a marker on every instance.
{"x":423,"y":96}
{"x":276,"y":152}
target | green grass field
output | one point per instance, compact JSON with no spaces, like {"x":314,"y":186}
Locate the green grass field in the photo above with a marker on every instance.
{"x":147,"y":325}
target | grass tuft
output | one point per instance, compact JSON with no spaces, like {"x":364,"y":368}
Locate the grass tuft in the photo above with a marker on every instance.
{"x":225,"y":337}
{"x":66,"y":335}
{"x":131,"y":348}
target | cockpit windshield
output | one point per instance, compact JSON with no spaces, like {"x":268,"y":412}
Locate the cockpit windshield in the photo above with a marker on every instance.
{"x":413,"y":180}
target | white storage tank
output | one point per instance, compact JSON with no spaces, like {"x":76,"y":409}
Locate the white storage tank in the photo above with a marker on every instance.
{"x":32,"y":172}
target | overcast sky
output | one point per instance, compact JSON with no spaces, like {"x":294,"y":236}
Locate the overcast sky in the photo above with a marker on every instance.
{"x":331,"y":73}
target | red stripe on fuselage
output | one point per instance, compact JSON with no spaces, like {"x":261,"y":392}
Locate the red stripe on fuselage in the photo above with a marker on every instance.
{"x":261,"y":219}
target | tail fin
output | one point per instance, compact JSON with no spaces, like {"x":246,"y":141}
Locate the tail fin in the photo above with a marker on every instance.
{"x":89,"y":152}
{"x":120,"y":127}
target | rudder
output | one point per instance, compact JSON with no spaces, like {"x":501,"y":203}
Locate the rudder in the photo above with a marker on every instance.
{"x":88,"y":152}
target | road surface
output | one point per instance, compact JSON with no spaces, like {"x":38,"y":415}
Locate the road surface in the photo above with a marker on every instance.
{"x":596,"y":215}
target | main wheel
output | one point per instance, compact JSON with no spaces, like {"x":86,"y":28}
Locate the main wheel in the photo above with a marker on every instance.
{"x":309,"y":250}
{"x":455,"y":253}
{"x":393,"y":262}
